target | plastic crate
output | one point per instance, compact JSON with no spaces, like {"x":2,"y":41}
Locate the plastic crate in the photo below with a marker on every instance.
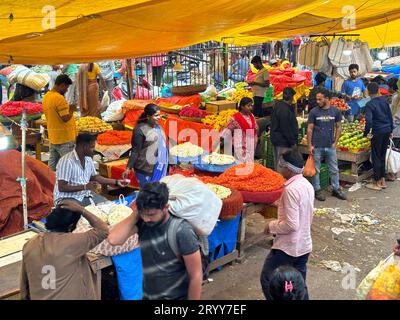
{"x":267,"y":152}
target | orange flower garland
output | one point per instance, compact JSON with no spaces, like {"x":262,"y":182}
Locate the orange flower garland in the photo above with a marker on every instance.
{"x":253,"y":179}
{"x":114,"y":137}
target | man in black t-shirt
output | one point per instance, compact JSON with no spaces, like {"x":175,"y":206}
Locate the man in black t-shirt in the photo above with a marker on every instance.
{"x":166,"y":276}
{"x":323,"y":133}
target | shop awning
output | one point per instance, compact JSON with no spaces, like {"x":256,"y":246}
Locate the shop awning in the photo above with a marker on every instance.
{"x":99,"y":30}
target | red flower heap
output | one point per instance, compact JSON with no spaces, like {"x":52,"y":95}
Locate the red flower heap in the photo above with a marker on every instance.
{"x":15,"y":108}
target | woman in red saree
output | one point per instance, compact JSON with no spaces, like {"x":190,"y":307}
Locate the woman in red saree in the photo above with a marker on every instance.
{"x":243,"y":129}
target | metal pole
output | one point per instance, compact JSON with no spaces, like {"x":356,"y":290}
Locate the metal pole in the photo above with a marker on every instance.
{"x":22,"y":180}
{"x":129,"y":78}
{"x":226,"y":60}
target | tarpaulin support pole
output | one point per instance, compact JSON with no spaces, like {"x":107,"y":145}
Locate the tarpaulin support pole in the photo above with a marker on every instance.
{"x":129,"y":78}
{"x":225,"y":53}
{"x":334,"y":35}
{"x":22,"y":180}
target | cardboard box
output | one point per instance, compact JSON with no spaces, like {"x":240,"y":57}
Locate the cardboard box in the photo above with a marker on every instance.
{"x":217,"y":106}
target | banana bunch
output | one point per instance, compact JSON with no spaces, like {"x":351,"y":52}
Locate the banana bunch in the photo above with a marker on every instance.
{"x":92,"y":124}
{"x":186,"y":150}
{"x":220,"y":191}
{"x":221,"y":120}
{"x":241,"y":93}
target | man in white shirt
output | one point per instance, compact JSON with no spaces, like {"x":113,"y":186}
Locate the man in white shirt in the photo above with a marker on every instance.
{"x":76,"y":175}
{"x":107,"y":69}
{"x":259,"y":86}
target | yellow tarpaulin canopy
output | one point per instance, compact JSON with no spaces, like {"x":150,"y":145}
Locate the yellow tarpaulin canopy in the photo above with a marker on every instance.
{"x":97,"y":30}
{"x":376,"y":21}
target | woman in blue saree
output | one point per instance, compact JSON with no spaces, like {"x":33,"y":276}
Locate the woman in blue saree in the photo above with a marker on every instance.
{"x":149,"y":155}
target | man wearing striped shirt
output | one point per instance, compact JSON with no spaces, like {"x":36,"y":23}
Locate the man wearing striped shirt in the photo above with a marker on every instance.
{"x":76,"y":175}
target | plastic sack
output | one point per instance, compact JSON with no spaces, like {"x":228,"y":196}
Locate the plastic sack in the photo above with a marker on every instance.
{"x":105,"y":101}
{"x":114,"y":111}
{"x":387,"y":284}
{"x":309,"y":168}
{"x":29,"y":78}
{"x":392,"y":159}
{"x":192,"y":200}
{"x":366,"y":284}
{"x":336,"y":56}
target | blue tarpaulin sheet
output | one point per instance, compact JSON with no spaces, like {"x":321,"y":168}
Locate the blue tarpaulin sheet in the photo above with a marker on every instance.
{"x":222,"y":239}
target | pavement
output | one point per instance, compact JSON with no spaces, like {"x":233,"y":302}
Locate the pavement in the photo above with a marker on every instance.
{"x":349,"y":236}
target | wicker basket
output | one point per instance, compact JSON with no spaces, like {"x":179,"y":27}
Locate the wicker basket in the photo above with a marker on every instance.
{"x":191,"y":119}
{"x":170,"y":110}
{"x":188,"y":90}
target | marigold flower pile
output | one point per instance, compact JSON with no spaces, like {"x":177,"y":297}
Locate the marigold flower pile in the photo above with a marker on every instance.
{"x":114,"y":137}
{"x":255,"y":179}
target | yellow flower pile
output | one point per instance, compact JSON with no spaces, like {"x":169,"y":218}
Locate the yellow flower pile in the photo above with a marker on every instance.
{"x":221,"y":120}
{"x":239,"y":94}
{"x":92,"y":124}
{"x":220,"y":191}
{"x":186,"y":150}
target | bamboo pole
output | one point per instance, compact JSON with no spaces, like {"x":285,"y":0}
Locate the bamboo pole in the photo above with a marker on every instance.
{"x":129,"y":78}
{"x":22,"y":180}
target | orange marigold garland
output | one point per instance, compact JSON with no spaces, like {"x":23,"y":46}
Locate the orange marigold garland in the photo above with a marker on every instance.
{"x":114,"y":137}
{"x":253,"y":179}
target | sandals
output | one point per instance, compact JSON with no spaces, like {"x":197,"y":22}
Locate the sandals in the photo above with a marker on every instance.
{"x":372,"y":186}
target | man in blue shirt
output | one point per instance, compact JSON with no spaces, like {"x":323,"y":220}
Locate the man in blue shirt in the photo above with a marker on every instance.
{"x":240,"y":68}
{"x":323,"y":133}
{"x":379,"y":118}
{"x":354,"y":89}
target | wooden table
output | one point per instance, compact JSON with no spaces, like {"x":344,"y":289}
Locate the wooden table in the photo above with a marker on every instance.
{"x":243,"y":242}
{"x":32,"y":138}
{"x":10,"y":274}
{"x":355,"y":159}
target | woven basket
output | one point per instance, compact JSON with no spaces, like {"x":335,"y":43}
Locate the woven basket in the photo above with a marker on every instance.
{"x":188,"y":90}
{"x":191,"y":119}
{"x":170,"y":110}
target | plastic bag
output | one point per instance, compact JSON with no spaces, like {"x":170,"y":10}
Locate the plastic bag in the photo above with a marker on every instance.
{"x":192,"y":200}
{"x":387,"y":284}
{"x":105,"y":101}
{"x":114,"y":111}
{"x":309,"y":168}
{"x":366,"y":284}
{"x":392,"y":159}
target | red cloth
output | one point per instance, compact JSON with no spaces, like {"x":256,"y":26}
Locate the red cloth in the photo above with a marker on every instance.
{"x":116,"y":173}
{"x":384,"y":92}
{"x":175,"y":128}
{"x":282,"y":81}
{"x":261,"y":197}
{"x":194,"y":100}
{"x":308,"y":75}
{"x":40,"y":185}
{"x":231,"y":206}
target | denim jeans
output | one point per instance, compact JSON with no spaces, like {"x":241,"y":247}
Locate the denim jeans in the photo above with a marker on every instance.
{"x":57,"y":151}
{"x":329,"y":155}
